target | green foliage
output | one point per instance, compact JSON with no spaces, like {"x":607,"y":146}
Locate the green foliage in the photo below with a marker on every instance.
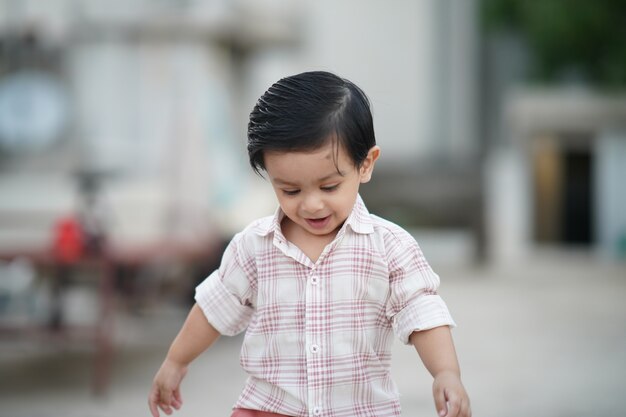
{"x":587,"y":37}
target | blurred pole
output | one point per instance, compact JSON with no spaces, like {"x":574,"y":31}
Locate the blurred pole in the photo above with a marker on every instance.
{"x":458,"y":143}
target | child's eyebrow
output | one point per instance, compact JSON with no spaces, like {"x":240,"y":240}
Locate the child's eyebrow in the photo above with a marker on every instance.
{"x":325,"y":178}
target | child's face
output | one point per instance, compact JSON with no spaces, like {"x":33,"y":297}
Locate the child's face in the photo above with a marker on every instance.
{"x":314,"y":191}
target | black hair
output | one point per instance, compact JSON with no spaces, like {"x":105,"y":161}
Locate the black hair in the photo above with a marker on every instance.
{"x":304,"y":111}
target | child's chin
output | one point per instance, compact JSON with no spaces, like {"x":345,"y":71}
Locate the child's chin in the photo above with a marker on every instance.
{"x":318,"y":232}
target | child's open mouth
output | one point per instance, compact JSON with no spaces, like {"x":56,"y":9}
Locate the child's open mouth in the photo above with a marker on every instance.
{"x":318,"y":223}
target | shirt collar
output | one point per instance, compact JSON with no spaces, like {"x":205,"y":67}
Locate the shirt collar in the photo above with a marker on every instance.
{"x":359,"y":220}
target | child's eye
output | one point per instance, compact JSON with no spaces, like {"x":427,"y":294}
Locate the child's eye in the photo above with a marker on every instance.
{"x":291,"y":192}
{"x":330,"y":188}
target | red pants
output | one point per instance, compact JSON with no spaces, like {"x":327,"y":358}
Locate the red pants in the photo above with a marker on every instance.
{"x":243,"y":412}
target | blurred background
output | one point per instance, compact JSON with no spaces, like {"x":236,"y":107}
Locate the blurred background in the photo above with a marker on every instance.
{"x":123,"y":173}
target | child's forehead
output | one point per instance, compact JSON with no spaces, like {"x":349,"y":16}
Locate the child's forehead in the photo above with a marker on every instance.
{"x":299,"y":161}
{"x":331,"y":149}
{"x":321,"y":163}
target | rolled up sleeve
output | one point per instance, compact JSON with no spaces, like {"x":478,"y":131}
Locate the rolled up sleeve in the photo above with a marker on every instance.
{"x":413,"y":304}
{"x":226,"y":296}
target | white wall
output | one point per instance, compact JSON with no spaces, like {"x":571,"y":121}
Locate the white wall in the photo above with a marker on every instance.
{"x":610,"y":203}
{"x":159,"y":112}
{"x":387,"y":48}
{"x":508,"y":205}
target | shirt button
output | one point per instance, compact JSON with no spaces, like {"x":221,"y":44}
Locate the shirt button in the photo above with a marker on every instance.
{"x":314,"y":280}
{"x":317,"y":411}
{"x":315,"y":348}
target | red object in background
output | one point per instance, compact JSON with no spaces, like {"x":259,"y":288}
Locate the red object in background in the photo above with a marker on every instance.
{"x":68,"y":240}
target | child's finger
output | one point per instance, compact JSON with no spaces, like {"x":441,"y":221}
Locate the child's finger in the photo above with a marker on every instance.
{"x":466,"y":410}
{"x":440,"y":402}
{"x":165,"y":408}
{"x":454,"y":404}
{"x":165,"y":403}
{"x":153,"y":399}
{"x":178,"y":399}
{"x":454,"y":408}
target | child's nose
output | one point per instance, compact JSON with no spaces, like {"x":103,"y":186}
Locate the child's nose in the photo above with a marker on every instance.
{"x":312,"y":203}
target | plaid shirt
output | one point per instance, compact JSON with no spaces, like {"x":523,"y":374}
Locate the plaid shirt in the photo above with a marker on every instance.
{"x":320,"y":333}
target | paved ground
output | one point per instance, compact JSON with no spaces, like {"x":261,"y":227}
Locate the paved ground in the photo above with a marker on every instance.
{"x":543,"y":339}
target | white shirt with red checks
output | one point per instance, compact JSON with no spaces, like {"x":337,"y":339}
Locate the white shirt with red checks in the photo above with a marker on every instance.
{"x":319,"y":334}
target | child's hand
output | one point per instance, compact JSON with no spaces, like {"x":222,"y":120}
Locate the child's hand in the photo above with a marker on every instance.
{"x":165,"y":392}
{"x":451,"y":400}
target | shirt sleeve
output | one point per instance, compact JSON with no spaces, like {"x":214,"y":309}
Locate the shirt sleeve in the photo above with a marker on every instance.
{"x":414,"y":303}
{"x":226,"y":296}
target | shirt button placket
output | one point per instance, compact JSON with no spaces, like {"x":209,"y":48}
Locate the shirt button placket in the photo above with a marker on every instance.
{"x":314,"y":297}
{"x":314,"y":348}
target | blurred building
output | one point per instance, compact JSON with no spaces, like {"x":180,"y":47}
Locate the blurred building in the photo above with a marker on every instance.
{"x":137,"y":99}
{"x":151,"y":100}
{"x":143,"y":104}
{"x":558,"y":182}
{"x":554,"y":122}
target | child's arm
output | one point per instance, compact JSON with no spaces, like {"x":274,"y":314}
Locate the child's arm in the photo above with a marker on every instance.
{"x":196,"y":335}
{"x":436,"y":350}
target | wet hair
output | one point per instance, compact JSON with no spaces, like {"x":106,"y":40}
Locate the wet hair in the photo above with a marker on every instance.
{"x":304,"y":112}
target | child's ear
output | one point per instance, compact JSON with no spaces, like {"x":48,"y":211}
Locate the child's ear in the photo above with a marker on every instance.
{"x":367,"y":167}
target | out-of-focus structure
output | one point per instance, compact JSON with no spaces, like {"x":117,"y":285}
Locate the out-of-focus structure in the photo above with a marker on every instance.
{"x":139,"y":99}
{"x":555,"y":124}
{"x":152,"y":101}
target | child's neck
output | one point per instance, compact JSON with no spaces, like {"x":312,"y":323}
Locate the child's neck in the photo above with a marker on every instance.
{"x":311,"y":245}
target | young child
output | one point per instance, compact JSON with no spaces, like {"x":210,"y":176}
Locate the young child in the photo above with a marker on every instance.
{"x":322,"y":286}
